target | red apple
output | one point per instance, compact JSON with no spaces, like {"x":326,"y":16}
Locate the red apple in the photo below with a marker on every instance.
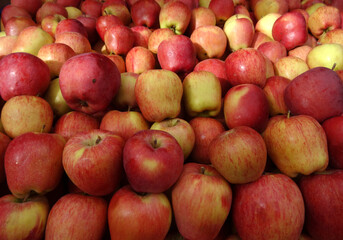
{"x":77,"y":216}
{"x":33,"y":163}
{"x":223,"y":9}
{"x":49,"y":23}
{"x":296,"y":144}
{"x":23,"y":219}
{"x":93,"y":161}
{"x":201,"y":16}
{"x":31,"y":6}
{"x":333,"y":128}
{"x":90,"y":24}
{"x":139,"y":59}
{"x":71,"y":25}
{"x":74,"y":122}
{"x":134,"y":215}
{"x":153,"y":161}
{"x":69,"y":3}
{"x":157,"y":36}
{"x":142,"y":35}
{"x":23,"y":74}
{"x":4,"y":141}
{"x":77,"y":41}
{"x":323,"y":194}
{"x":119,"y":39}
{"x":317,"y":92}
{"x":125,"y":98}
{"x":246,"y":105}
{"x":300,"y":52}
{"x":201,"y":201}
{"x":16,"y":24}
{"x":145,"y":13}
{"x":10,"y":11}
{"x":118,"y":9}
{"x":246,"y":66}
{"x":7,"y":43}
{"x":239,"y":155}
{"x":50,"y":8}
{"x":91,"y":8}
{"x":103,"y":23}
{"x":25,"y":113}
{"x":270,"y":208}
{"x":124,"y":124}
{"x":97,"y":80}
{"x":273,"y":50}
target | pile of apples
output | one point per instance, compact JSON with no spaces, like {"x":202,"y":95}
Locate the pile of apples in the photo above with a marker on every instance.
{"x":171,"y":119}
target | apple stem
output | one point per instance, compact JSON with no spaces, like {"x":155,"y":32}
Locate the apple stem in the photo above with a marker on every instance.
{"x":202,"y":170}
{"x":288,"y":114}
{"x":334,"y":66}
{"x":43,"y":127}
{"x":98,"y":140}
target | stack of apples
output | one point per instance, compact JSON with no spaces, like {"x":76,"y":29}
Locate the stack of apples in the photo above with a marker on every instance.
{"x":171,"y":119}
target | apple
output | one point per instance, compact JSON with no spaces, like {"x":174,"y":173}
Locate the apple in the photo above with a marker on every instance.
{"x":333,"y":128}
{"x":71,"y":25}
{"x":176,"y":16}
{"x":296,"y":144}
{"x":6,"y":45}
{"x":290,"y":29}
{"x":25,"y":113}
{"x":97,"y":80}
{"x":132,"y":215}
{"x":73,"y":12}
{"x":153,"y":161}
{"x":181,"y":130}
{"x":209,"y":41}
{"x":300,"y":52}
{"x":241,"y":9}
{"x":202,"y":94}
{"x":55,"y":55}
{"x":77,"y":216}
{"x":23,"y":219}
{"x":145,"y":13}
{"x":217,"y":67}
{"x":246,"y":105}
{"x":260,"y":38}
{"x":139,"y":59}
{"x":23,"y":74}
{"x":240,"y":31}
{"x":262,"y":8}
{"x":93,"y":161}
{"x":119,"y":39}
{"x":69,"y":3}
{"x":273,"y":50}
{"x":332,"y":36}
{"x":90,"y":24}
{"x":142,"y":35}
{"x":222,"y":9}
{"x":74,"y":122}
{"x":239,"y":154}
{"x":118,"y":9}
{"x":31,"y":39}
{"x":327,"y":55}
{"x":201,"y":201}
{"x":205,"y":130}
{"x":246,"y":66}
{"x":157,"y":36}
{"x":201,"y":16}
{"x":49,"y":23}
{"x":317,"y":92}
{"x":323,"y":194}
{"x":91,"y":8}
{"x":54,"y":97}
{"x":323,"y":19}
{"x":158,"y":94}
{"x":77,"y":41}
{"x":125,"y":98}
{"x":30,"y":6}
{"x":119,"y":61}
{"x":33,"y":163}
{"x":124,"y":124}
{"x":290,"y":67}
{"x":192,"y":4}
{"x":16,"y":24}
{"x":4,"y":141}
{"x":50,"y":8}
{"x":274,"y":91}
{"x":10,"y":11}
{"x":312,"y":5}
{"x":177,"y":53}
{"x":270,"y":208}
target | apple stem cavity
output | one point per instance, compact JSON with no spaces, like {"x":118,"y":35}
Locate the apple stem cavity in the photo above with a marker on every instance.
{"x":93,"y":80}
{"x":83,"y":103}
{"x":333,"y":66}
{"x":155,"y":144}
{"x":202,"y":170}
{"x":98,"y":140}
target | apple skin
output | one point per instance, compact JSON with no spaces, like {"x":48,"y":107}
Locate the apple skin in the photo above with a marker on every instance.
{"x":90,"y":24}
{"x":119,"y":39}
{"x":25,"y":113}
{"x":158,"y":94}
{"x":321,"y":88}
{"x":23,"y":74}
{"x":30,"y":6}
{"x":205,"y":130}
{"x":270,"y":208}
{"x":145,"y":13}
{"x":103,"y":23}
{"x":50,"y":22}
{"x":23,"y":219}
{"x":327,"y":55}
{"x":118,"y":9}
{"x":201,"y":16}
{"x":181,"y":130}
{"x":323,"y":194}
{"x":261,"y":8}
{"x":223,"y":10}
{"x":6,"y":45}
{"x":93,"y":161}
{"x":273,"y":50}
{"x":74,"y":122}
{"x":16,"y":24}
{"x":139,"y":59}
{"x":153,"y":161}
{"x":89,"y":82}
{"x":30,"y":155}
{"x":133,"y":215}
{"x":239,"y":155}
{"x":71,"y":25}
{"x":4,"y":141}
{"x":10,"y":11}
{"x":246,"y":66}
{"x":124,"y":124}
{"x":142,"y":35}
{"x":91,"y":7}
{"x":69,"y":3}
{"x":177,"y":53}
{"x":296,"y":144}
{"x":291,"y":30}
{"x":332,"y":36}
{"x":77,"y":41}
{"x":89,"y":212}
{"x":334,"y":129}
{"x":246,"y":105}
{"x":300,"y":52}
{"x":50,"y":8}
{"x":201,"y":201}
{"x":125,"y":98}
{"x":290,"y":67}
{"x":157,"y":36}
